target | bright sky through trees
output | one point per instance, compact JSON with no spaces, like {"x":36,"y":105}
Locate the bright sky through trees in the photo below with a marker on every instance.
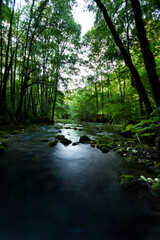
{"x":83,"y":16}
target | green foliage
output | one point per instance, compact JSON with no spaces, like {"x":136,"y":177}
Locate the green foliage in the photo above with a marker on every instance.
{"x":156,"y":187}
{"x":144,"y":126}
{"x":126,"y":180}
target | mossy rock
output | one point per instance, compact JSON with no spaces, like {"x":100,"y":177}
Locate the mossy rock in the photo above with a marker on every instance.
{"x":157,"y":141}
{"x":60,"y":137}
{"x":15,"y":132}
{"x":3,"y":142}
{"x":157,"y":166}
{"x":104,"y":149}
{"x":65,"y":141}
{"x":43,"y":140}
{"x":156,"y":187}
{"x":132,"y":159}
{"x":122,"y":151}
{"x":2,"y":149}
{"x":75,"y":143}
{"x":84,"y":139}
{"x":103,"y":141}
{"x":126,"y":180}
{"x":58,"y":127}
{"x":53,"y":143}
{"x":93,"y":145}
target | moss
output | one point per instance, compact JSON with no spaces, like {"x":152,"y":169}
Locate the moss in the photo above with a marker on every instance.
{"x":104,"y":149}
{"x":43,"y":140}
{"x":126,"y":180}
{"x":60,"y":137}
{"x":74,"y":144}
{"x":58,"y":127}
{"x":156,"y":187}
{"x":15,"y":132}
{"x":84,"y":139}
{"x":149,"y":163}
{"x":3,"y":142}
{"x":93,"y":145}
{"x":2,"y":149}
{"x":157,"y":141}
{"x":132,"y":159}
{"x":65,"y":141}
{"x":157,"y":166}
{"x":53,"y":143}
{"x":122,"y":151}
{"x":104,"y":141}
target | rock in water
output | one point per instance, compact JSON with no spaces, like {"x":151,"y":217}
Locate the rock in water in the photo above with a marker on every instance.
{"x":84,"y":139}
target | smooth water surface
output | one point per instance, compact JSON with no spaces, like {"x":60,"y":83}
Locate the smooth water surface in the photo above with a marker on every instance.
{"x":69,"y":192}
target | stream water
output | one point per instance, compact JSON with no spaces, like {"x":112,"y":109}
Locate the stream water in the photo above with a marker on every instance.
{"x":69,"y":192}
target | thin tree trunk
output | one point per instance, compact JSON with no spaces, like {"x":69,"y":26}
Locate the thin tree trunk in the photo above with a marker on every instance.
{"x":1,"y":1}
{"x":1,"y":65}
{"x":54,"y":101}
{"x":96,"y":94}
{"x":136,"y":78}
{"x":6,"y":72}
{"x":147,"y":54}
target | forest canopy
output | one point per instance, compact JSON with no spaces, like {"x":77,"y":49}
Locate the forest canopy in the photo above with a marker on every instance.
{"x":42,"y":51}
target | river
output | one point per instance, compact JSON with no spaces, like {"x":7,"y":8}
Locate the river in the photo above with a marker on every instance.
{"x":70,"y":192}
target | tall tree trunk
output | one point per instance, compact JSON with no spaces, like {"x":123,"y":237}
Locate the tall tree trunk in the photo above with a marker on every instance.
{"x":1,"y":36}
{"x":1,"y":64}
{"x":6,"y":71}
{"x":55,"y":99}
{"x":147,"y":54}
{"x":136,"y":78}
{"x":96,"y":94}
{"x":102,"y":99}
{"x":1,"y":1}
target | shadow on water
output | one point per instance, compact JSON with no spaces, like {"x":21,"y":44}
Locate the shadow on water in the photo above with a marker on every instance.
{"x":69,"y":193}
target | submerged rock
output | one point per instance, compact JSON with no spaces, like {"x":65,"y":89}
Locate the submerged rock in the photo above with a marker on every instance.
{"x":43,"y":140}
{"x":60,"y":137}
{"x":53,"y":143}
{"x":2,"y":149}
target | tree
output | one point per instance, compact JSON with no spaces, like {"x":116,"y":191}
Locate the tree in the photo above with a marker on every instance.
{"x":147,"y":54}
{"x":136,"y":78}
{"x":8,"y":65}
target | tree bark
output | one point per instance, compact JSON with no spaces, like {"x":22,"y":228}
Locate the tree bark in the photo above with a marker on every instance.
{"x":7,"y":69}
{"x":54,"y":101}
{"x":148,"y":57}
{"x":136,"y":78}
